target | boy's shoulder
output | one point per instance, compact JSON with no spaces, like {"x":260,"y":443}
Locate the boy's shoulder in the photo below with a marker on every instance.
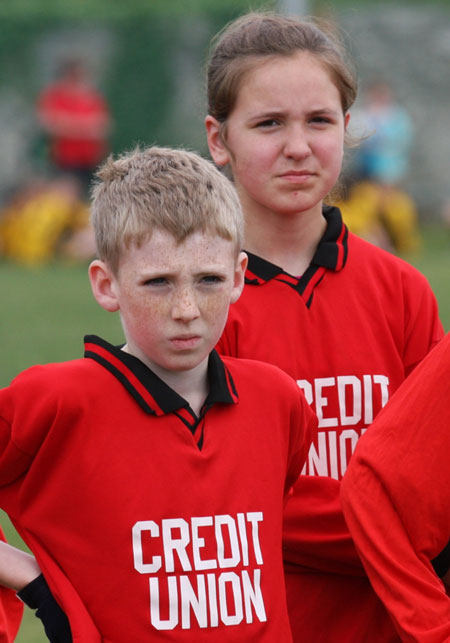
{"x":55,"y":376}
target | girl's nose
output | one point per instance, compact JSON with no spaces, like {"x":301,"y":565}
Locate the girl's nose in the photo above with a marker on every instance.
{"x":297,"y":146}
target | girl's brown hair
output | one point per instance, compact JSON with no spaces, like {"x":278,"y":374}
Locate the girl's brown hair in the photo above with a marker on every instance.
{"x":242,"y":44}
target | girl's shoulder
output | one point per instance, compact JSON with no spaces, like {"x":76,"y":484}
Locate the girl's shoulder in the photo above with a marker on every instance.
{"x":363,"y":254}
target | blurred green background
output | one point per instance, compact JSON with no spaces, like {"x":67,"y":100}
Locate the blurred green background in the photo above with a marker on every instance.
{"x":147,"y":57}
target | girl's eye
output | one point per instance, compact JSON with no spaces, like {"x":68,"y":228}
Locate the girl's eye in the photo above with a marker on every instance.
{"x":269,"y":122}
{"x":321,"y":120}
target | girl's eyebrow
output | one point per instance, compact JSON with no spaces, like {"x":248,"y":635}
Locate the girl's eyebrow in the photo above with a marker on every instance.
{"x":270,"y":112}
{"x":324,"y":110}
{"x":273,"y":113}
{"x":277,"y":113}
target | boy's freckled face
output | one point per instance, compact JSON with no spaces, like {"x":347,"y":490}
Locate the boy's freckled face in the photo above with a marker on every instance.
{"x":174,"y":298}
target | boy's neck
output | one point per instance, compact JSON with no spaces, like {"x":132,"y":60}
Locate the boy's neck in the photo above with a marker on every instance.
{"x":192,"y":385}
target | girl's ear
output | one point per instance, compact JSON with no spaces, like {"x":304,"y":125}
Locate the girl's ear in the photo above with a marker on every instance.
{"x":346,"y":120}
{"x":216,"y":146}
{"x":103,"y":284}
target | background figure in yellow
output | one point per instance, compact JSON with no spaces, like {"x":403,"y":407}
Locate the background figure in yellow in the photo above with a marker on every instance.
{"x":376,"y":206}
{"x":46,"y":219}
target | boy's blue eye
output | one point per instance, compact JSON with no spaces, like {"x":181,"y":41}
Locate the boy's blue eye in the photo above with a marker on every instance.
{"x":157,"y":281}
{"x":211,"y":279}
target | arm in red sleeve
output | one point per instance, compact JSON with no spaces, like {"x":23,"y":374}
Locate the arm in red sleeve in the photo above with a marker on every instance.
{"x":396,"y":500}
{"x":315,"y":534}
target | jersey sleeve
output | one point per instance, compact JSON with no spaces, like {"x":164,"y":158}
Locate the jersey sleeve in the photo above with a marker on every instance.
{"x":27,"y":412}
{"x":303,"y":429}
{"x":423,"y":328}
{"x":13,"y":461}
{"x":315,"y":535}
{"x":396,"y":500}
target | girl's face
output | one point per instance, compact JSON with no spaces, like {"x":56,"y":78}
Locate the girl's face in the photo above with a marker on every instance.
{"x":284,"y":139}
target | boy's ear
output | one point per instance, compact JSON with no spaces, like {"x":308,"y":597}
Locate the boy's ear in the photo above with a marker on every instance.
{"x":216,"y":145}
{"x":239,"y":275}
{"x":103,"y":286}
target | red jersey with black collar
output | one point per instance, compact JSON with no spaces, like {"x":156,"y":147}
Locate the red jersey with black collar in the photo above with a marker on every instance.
{"x":396,"y":498}
{"x":348,"y":331}
{"x":148,"y":522}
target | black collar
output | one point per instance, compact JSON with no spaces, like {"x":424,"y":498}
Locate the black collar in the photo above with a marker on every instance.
{"x":151,"y":393}
{"x":331,"y":252}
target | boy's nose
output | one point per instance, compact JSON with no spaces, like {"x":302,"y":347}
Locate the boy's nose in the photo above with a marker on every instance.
{"x":185,"y":306}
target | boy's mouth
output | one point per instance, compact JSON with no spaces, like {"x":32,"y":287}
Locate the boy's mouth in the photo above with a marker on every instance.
{"x":185,"y":341}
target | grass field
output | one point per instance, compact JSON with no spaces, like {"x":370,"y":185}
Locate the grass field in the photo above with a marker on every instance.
{"x":45,"y":313}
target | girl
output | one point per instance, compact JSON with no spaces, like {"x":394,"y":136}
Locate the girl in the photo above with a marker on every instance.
{"x":347,"y":320}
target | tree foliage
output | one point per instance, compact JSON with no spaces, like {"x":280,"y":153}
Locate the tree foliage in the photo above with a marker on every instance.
{"x":85,"y":9}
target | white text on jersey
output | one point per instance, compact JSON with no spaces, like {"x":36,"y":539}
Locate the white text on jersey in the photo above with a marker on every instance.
{"x":178,"y":547}
{"x":341,"y":402}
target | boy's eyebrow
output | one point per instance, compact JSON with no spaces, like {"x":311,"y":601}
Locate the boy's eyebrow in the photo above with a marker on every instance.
{"x":167,"y":272}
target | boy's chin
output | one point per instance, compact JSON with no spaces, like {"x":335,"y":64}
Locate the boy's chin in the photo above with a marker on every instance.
{"x":185,"y":362}
{"x":190,"y":363}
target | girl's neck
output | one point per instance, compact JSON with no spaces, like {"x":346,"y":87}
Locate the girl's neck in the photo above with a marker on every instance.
{"x":289,"y":241}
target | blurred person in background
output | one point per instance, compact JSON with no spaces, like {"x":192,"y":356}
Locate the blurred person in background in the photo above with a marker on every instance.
{"x":44,"y":219}
{"x":76,"y":122}
{"x":376,"y":206}
{"x":48,"y":216}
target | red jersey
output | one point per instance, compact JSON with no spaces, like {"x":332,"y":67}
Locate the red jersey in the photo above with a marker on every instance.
{"x":150,"y":523}
{"x":348,"y":331}
{"x":78,"y":115}
{"x":396,"y":498}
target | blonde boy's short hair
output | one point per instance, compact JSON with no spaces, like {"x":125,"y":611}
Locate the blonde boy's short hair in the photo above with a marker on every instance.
{"x":161,"y":188}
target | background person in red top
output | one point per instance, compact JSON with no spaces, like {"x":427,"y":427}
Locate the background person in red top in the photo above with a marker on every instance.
{"x":345,"y":319}
{"x":75,"y":118}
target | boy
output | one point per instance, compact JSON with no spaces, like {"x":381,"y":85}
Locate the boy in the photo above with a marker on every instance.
{"x":396,"y":500}
{"x":148,"y":480}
